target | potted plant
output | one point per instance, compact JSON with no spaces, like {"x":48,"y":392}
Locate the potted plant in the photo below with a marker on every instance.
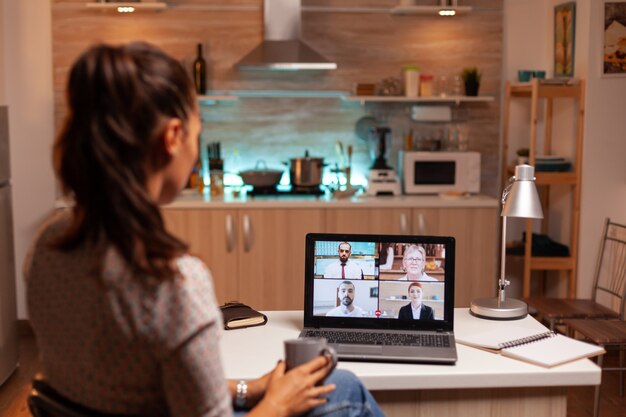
{"x":471,"y":77}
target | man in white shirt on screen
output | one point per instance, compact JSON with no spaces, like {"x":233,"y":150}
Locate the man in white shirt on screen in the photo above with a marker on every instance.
{"x":344,"y":267}
{"x":346,"y":308}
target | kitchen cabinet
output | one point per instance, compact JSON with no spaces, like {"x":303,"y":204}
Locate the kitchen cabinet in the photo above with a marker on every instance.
{"x":569,"y":181}
{"x":255,"y":256}
{"x":368,"y":220}
{"x":475,"y":232}
{"x":474,"y":229}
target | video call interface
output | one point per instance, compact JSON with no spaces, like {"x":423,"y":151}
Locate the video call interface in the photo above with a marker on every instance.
{"x":384,"y":280}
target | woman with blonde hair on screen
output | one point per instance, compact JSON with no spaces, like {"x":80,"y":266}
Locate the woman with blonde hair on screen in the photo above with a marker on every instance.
{"x":414,"y":264}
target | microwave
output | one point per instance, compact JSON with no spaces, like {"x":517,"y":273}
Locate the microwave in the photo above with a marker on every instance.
{"x":439,"y":172}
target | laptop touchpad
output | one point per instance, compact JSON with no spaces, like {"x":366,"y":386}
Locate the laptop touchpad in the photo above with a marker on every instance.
{"x":359,"y":349}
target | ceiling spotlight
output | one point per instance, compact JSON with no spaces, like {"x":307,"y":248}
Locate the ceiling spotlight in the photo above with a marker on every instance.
{"x":125,"y":9}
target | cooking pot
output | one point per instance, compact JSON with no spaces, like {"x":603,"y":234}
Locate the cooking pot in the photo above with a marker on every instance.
{"x":306,"y":172}
{"x":260,"y":176}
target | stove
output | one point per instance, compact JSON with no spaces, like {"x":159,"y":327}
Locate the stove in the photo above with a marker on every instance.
{"x":317,"y":190}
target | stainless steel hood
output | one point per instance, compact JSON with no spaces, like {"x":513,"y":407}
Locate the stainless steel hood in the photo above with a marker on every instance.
{"x":282,"y":49}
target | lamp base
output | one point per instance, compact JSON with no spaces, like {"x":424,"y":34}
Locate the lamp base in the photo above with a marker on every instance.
{"x":488,"y":308}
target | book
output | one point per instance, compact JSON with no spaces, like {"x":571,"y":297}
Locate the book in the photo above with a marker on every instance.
{"x":545,"y":349}
{"x":238,"y":315}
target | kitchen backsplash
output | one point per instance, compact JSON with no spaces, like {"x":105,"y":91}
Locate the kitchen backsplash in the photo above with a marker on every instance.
{"x":277,"y":129}
{"x":367,"y":46}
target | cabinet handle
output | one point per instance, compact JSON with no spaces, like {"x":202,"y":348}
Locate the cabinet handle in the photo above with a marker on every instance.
{"x":403,"y":224}
{"x":421,"y":224}
{"x":230,"y":234}
{"x":247,"y":233}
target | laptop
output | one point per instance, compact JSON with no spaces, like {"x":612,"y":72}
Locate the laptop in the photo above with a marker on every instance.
{"x":381,"y":298}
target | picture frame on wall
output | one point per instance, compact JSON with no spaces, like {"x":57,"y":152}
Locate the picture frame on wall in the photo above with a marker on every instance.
{"x":564,"y":39}
{"x":614,"y":39}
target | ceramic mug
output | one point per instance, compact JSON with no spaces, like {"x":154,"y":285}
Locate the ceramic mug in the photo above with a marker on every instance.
{"x":304,"y":349}
{"x":524,"y":75}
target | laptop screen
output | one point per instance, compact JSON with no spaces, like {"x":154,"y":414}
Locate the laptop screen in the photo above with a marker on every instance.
{"x":379,"y":281}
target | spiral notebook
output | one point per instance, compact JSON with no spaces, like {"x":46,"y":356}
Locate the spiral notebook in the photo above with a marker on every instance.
{"x":546,"y":349}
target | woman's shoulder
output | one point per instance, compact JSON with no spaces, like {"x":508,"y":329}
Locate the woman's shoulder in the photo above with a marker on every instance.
{"x":49,"y":230}
{"x":56,"y":223}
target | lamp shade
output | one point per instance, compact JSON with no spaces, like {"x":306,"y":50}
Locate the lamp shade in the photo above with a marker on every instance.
{"x":523,"y":200}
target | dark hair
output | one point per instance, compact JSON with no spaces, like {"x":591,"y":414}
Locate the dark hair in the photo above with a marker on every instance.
{"x":119,"y":101}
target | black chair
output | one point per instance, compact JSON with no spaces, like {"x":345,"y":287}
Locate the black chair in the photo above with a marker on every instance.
{"x":44,"y":401}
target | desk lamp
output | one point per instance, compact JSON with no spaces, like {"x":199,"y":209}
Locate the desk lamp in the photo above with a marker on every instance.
{"x":519,"y":199}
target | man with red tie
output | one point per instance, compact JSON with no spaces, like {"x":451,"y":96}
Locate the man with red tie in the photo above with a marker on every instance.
{"x":344,"y":267}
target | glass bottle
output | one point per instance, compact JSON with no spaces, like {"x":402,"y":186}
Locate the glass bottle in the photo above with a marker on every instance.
{"x":199,"y":72}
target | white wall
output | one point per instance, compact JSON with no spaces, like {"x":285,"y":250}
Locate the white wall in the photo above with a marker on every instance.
{"x":529,"y":44}
{"x":604,"y":162}
{"x":3,"y":96}
{"x":26,"y":66}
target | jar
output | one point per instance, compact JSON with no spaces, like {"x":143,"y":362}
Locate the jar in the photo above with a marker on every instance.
{"x":216,"y":175}
{"x":411,"y":76}
{"x":426,"y":85}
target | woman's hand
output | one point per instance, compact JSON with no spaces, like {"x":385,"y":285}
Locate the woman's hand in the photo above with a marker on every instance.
{"x":294,"y":392}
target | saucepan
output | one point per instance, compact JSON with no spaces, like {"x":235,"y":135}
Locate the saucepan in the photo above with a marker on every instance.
{"x":261,"y":176}
{"x":306,"y":171}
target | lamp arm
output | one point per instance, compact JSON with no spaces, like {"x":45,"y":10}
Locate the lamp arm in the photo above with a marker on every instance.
{"x":502,"y":283}
{"x":507,"y":190}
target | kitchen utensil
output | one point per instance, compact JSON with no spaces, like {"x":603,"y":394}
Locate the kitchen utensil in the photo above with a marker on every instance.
{"x":382,"y":178}
{"x":307,"y":171}
{"x":261,"y":176}
{"x":339,"y":150}
{"x":349,"y":167}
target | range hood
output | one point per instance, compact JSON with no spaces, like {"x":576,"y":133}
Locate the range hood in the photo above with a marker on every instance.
{"x":282,"y":49}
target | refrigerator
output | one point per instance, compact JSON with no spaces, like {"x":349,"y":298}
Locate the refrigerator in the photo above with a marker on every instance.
{"x":8,"y":298}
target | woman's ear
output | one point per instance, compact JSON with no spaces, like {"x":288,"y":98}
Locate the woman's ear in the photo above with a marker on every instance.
{"x":172,"y":136}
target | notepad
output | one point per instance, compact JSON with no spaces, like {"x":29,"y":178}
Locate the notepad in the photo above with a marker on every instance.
{"x":545,"y":349}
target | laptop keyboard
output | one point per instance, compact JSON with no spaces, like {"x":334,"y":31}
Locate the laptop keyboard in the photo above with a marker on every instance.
{"x":390,"y":339}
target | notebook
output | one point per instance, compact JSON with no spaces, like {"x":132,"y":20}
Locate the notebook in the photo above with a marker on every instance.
{"x":545,"y":349}
{"x":381,"y":298}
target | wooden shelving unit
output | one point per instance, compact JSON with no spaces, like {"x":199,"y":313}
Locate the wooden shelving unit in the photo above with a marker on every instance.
{"x":536,"y":92}
{"x":424,"y":100}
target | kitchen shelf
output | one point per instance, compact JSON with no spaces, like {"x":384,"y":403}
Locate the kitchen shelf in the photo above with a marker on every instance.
{"x":211,"y":99}
{"x":429,"y":10}
{"x":551,"y":178}
{"x":537,"y":90}
{"x":545,"y":90}
{"x":113,"y":6}
{"x":433,"y":100}
{"x":279,"y":93}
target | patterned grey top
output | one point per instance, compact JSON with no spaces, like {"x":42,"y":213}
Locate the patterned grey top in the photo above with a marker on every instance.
{"x":122,"y":343}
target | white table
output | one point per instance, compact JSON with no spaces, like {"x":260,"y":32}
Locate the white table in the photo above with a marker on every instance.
{"x":480,"y":384}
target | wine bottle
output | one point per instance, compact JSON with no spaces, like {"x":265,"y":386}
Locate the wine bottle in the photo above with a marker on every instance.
{"x":199,"y":72}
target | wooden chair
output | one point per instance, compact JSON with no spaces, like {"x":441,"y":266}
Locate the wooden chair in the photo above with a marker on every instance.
{"x":608,"y":334}
{"x":609,"y":289}
{"x":44,"y":401}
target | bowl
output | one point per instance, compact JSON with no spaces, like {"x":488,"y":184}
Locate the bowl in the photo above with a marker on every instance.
{"x":261,"y":176}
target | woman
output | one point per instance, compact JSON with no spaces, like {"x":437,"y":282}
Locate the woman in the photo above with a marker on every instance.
{"x":414,"y":264}
{"x":126,"y":321}
{"x":416,"y":310}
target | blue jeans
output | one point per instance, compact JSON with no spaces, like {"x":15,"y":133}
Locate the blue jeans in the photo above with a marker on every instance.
{"x":349,"y":399}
